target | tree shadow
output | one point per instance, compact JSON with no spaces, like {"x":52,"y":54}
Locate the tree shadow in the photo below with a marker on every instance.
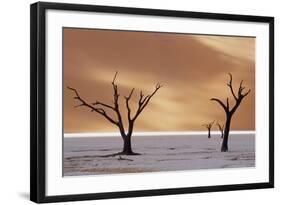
{"x":120,"y":153}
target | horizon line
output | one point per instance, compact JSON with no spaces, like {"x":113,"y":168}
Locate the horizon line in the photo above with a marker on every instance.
{"x":167,"y":133}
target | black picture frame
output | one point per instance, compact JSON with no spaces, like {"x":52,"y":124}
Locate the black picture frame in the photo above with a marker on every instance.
{"x":38,"y":101}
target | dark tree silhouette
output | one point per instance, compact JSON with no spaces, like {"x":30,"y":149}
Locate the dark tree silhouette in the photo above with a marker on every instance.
{"x":209,"y":127}
{"x":230,"y":111}
{"x":100,"y":108}
{"x":220,"y":128}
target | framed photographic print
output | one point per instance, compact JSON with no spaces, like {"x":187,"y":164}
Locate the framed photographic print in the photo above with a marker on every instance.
{"x":129,"y":102}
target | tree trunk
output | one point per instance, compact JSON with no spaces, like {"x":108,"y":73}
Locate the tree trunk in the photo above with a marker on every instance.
{"x":127,"y":148}
{"x":222,"y":134}
{"x":224,"y":146}
{"x":209,"y":133}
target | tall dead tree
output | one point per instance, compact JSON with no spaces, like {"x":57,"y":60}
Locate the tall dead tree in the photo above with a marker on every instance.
{"x":209,"y":127}
{"x":100,"y":108}
{"x":220,"y":128}
{"x":230,"y":111}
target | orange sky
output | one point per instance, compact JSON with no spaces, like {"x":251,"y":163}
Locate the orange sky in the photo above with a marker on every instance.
{"x":192,"y":68}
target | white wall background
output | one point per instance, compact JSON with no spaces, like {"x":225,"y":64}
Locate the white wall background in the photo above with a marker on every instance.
{"x":14,"y":100}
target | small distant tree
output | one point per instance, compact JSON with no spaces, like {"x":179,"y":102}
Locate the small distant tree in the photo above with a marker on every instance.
{"x":100,"y":108}
{"x":209,"y":127}
{"x":230,"y":111}
{"x":220,"y":128}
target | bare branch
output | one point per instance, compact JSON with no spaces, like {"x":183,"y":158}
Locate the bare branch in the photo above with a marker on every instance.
{"x":238,"y":98}
{"x":78,"y":105}
{"x":240,"y":90}
{"x":145,"y":99}
{"x":143,"y":102}
{"x":221,"y":103}
{"x":127,"y":98}
{"x":238,"y":102}
{"x":227,"y":103}
{"x":244,"y":95}
{"x":209,"y":125}
{"x":220,"y":126}
{"x":113,"y":81}
{"x":97,"y":110}
{"x":131,"y":93}
{"x":103,"y":104}
{"x":241,"y":83}
{"x":230,"y":86}
{"x":115,"y":92}
{"x":101,"y":107}
{"x":140,"y":99}
{"x":148,"y":97}
{"x":116,"y":105}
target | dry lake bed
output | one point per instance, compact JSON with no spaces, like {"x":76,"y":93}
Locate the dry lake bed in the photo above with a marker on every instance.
{"x":85,"y":155}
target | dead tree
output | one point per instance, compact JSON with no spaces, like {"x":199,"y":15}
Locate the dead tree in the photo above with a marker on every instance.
{"x":230,"y":111}
{"x":102,"y":109}
{"x":209,"y":127}
{"x":220,"y":128}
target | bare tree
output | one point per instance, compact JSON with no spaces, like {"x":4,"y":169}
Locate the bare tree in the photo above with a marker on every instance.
{"x":220,"y":128}
{"x":100,"y":108}
{"x":230,"y":111}
{"x":209,"y":127}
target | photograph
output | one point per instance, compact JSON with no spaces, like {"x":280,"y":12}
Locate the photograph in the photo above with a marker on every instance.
{"x":140,"y":102}
{"x":144,"y":101}
{"x":133,"y":102}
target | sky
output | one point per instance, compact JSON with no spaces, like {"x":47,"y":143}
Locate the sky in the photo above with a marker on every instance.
{"x":191,"y":68}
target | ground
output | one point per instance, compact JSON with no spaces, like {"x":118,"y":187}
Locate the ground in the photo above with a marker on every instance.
{"x":85,"y":155}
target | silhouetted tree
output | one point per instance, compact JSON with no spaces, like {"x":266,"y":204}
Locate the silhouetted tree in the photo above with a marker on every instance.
{"x":99,"y":107}
{"x":209,"y":127}
{"x":230,"y":111}
{"x":220,"y":128}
